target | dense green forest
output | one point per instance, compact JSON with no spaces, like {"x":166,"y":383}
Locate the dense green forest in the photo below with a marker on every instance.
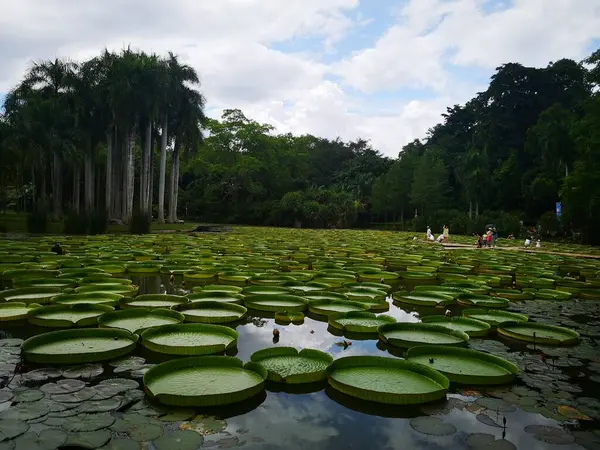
{"x":127,"y":127}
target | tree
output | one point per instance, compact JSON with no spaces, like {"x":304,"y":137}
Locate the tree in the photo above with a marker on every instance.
{"x":430,"y":183}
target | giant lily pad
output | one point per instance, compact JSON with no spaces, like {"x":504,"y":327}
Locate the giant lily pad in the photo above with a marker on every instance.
{"x":215,"y":296}
{"x":16,"y":310}
{"x":66,"y":316}
{"x":482,"y":301}
{"x":359,"y":321}
{"x":212,"y":312}
{"x":90,"y":298}
{"x":137,"y":319}
{"x":473,"y":327}
{"x":204,"y":381}
{"x":29,"y":294}
{"x":60,"y":283}
{"x":287,"y":365}
{"x":463,"y":365}
{"x":332,"y":307}
{"x":153,"y":301}
{"x":189,"y":339}
{"x":423,"y":298}
{"x":539,"y":333}
{"x":404,"y":334}
{"x":78,"y":346}
{"x":493,"y":316}
{"x":274,"y":303}
{"x":127,"y":290}
{"x":387,"y":380}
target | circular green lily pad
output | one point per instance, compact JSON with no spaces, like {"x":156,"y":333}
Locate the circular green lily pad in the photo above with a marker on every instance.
{"x":287,"y":365}
{"x":16,"y":310}
{"x":212,"y":312}
{"x":63,"y":387}
{"x":215,"y":296}
{"x":48,"y":439}
{"x":45,"y":282}
{"x":359,"y":321}
{"x":153,"y":301}
{"x":91,"y":298}
{"x":286,"y":317}
{"x":404,"y":334}
{"x":38,"y":295}
{"x":179,"y":440}
{"x":493,"y":316}
{"x":275,"y":302}
{"x":189,"y":339}
{"x":137,"y":319}
{"x":550,"y":435}
{"x":66,"y":316}
{"x":85,"y":371}
{"x":333,"y":307}
{"x":204,"y":381}
{"x":482,"y":301}
{"x":266,"y":290}
{"x":432,"y":426}
{"x":541,"y":333}
{"x":89,"y":422}
{"x":463,"y":365}
{"x":387,"y":380}
{"x":423,"y":298}
{"x":127,"y":290}
{"x":551,"y":294}
{"x":473,"y":327}
{"x":10,"y":429}
{"x":218,"y":288}
{"x":78,"y":346}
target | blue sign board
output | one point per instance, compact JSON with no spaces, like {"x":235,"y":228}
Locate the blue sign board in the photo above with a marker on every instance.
{"x":558,"y":209}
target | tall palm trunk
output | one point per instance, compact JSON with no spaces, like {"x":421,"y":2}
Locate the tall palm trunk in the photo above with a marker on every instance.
{"x":162,"y":173}
{"x":57,"y":185}
{"x":109,"y":172}
{"x":145,"y":169}
{"x":117,"y":176}
{"x":151,"y":180}
{"x":128,"y":176}
{"x":76,"y":189}
{"x":89,"y":177}
{"x":174,"y":184}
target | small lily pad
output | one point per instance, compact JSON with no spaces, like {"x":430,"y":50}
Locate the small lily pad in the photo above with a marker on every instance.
{"x":63,"y":387}
{"x":128,"y":361}
{"x":10,"y":429}
{"x":89,"y":439}
{"x":124,"y":384}
{"x":97,"y":406}
{"x":432,"y":426}
{"x":75,"y":397}
{"x":42,"y":374}
{"x":495,"y":404}
{"x":137,"y":427}
{"x":485,"y":419}
{"x":11,"y":342}
{"x":89,"y":422}
{"x":179,"y":440}
{"x":177,"y":415}
{"x":85,"y":371}
{"x":484,"y":441}
{"x":105,"y":391}
{"x":5,"y":395}
{"x":48,"y":439}
{"x":24,"y":411}
{"x":550,"y":435}
{"x":122,"y":444}
{"x":28,"y":396}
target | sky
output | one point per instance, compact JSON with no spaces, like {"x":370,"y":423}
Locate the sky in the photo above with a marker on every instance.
{"x":383,"y":70}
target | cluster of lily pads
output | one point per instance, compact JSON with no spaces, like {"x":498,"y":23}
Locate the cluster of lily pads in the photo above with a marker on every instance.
{"x":92,"y":312}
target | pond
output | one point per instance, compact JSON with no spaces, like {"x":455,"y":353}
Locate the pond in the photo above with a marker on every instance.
{"x":553,"y":403}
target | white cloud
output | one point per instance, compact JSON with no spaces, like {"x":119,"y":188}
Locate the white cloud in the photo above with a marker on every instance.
{"x":230,"y":42}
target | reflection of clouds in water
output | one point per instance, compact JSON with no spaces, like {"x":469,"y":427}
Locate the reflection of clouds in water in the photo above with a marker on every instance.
{"x":291,"y":421}
{"x":401,"y":314}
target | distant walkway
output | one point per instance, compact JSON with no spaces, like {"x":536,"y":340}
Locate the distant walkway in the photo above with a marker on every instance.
{"x":456,"y":245}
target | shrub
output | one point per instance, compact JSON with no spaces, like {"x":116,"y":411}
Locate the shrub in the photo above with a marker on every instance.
{"x":76,"y":223}
{"x":37,"y":222}
{"x":140,"y":223}
{"x":98,"y":222}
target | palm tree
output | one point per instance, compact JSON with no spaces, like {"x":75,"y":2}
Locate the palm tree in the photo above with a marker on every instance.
{"x":188,"y":120}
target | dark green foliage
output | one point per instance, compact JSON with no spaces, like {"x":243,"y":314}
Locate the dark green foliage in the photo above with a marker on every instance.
{"x":140,"y":223}
{"x":76,"y":224}
{"x":98,"y":222}
{"x":37,"y":221}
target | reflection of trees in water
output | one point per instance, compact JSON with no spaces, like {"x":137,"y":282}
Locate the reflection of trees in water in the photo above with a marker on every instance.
{"x":256,"y":321}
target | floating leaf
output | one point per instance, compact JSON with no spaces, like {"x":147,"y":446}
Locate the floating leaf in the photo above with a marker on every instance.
{"x":89,"y":422}
{"x":42,"y":374}
{"x":179,"y":440}
{"x":432,"y":426}
{"x":122,"y":444}
{"x":91,"y":440}
{"x":47,"y":440}
{"x":63,"y":387}
{"x":10,"y":429}
{"x":123,"y":384}
{"x":85,"y":371}
{"x":24,"y":411}
{"x":28,"y":395}
{"x":572,"y":413}
{"x":96,"y":406}
{"x":495,"y":404}
{"x":487,"y":420}
{"x":550,"y":435}
{"x":76,"y":397}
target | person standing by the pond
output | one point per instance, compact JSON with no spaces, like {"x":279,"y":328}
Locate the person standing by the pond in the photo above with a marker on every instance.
{"x":429,"y":236}
{"x":494,"y":236}
{"x":446,"y":233}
